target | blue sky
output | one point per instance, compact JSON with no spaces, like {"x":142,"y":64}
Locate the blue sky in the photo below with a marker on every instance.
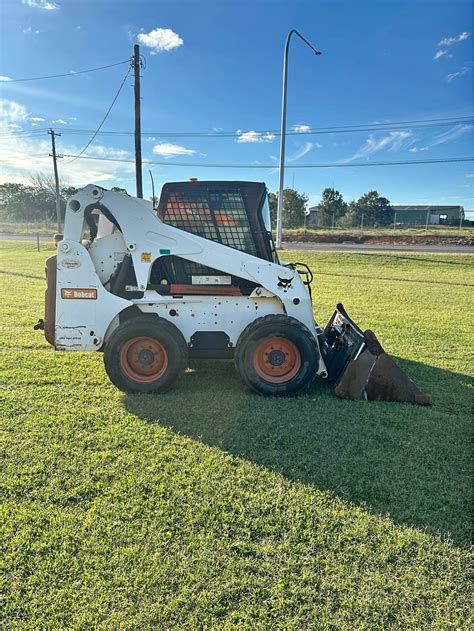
{"x":219,"y":67}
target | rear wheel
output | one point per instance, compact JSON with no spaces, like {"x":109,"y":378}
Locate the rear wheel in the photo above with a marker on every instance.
{"x":145,"y":354}
{"x":277,"y":355}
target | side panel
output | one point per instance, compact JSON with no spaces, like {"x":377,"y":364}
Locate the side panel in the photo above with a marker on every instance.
{"x":230,"y":314}
{"x":84,"y":308}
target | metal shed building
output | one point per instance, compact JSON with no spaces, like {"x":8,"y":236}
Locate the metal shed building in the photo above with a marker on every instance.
{"x":431,"y":215}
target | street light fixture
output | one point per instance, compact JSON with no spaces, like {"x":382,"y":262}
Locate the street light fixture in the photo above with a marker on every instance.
{"x":283,"y":132}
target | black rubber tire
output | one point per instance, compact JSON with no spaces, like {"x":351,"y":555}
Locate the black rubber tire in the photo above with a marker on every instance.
{"x":276,"y":326}
{"x":165,"y":333}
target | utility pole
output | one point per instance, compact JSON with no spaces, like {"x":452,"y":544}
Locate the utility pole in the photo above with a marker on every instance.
{"x":138,"y":122}
{"x":395,"y":220}
{"x":55,"y":157}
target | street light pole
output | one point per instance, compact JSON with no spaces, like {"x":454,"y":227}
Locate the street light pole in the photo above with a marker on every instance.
{"x":283,"y":132}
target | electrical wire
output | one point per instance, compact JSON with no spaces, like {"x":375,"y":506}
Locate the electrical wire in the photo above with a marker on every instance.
{"x":68,"y":74}
{"x":328,"y":165}
{"x":313,"y":131}
{"x":441,"y":122}
{"x":105,"y":117}
{"x":323,"y":130}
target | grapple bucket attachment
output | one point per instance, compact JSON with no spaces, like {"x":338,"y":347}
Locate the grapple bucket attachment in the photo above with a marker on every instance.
{"x":360,"y":368}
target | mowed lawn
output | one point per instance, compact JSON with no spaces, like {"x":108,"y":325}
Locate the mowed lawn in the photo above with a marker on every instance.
{"x":210,"y":506}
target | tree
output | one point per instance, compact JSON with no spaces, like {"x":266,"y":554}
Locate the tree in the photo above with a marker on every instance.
{"x":35,"y":202}
{"x":273,"y":203}
{"x":331,"y":208}
{"x":375,"y":209}
{"x":294,"y":206}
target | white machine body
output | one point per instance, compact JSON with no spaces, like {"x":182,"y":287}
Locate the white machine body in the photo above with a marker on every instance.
{"x":87,"y":313}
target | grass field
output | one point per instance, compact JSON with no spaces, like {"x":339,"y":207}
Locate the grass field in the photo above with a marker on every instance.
{"x":212,"y":507}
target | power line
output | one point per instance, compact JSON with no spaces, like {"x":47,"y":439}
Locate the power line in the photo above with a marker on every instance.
{"x":72,"y":73}
{"x":323,"y":130}
{"x":441,"y":122}
{"x":312,"y":131}
{"x":327,"y":165}
{"x":105,"y":117}
{"x":26,"y":134}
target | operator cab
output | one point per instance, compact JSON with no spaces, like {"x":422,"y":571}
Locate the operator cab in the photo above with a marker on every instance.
{"x":234,"y":214}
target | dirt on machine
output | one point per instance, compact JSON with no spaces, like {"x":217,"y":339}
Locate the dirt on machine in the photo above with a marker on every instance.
{"x":198,"y":277}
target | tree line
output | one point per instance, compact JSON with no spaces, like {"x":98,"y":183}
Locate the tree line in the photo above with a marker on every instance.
{"x":35,"y":202}
{"x":371,"y":209}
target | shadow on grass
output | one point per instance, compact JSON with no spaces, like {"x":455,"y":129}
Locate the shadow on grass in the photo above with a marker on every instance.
{"x":410,"y":462}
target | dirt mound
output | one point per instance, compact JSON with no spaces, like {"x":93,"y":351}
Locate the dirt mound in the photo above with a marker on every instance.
{"x":377,"y":239}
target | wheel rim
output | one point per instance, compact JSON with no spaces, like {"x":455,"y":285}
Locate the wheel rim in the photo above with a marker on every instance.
{"x":143,"y":359}
{"x":277,"y":360}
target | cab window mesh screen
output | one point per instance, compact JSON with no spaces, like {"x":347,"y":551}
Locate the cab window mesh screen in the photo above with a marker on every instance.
{"x":195,"y":269}
{"x":217,"y":216}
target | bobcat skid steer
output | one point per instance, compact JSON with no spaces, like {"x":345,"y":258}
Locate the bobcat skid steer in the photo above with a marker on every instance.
{"x":199,"y":277}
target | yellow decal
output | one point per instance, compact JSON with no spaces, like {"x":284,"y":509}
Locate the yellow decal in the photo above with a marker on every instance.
{"x":145,"y":257}
{"x":79,"y":294}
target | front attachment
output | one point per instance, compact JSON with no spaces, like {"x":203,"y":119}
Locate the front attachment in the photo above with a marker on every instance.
{"x":360,"y":368}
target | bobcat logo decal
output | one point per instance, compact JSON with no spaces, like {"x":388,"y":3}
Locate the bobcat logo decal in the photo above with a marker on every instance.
{"x":285,"y":282}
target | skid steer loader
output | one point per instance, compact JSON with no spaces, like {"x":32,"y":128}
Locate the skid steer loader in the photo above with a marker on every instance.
{"x":199,"y":277}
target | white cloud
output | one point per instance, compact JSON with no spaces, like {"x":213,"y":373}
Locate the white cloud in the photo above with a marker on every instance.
{"x":18,"y":165}
{"x":12,"y":112}
{"x":60,"y":121}
{"x":168,"y":150}
{"x":452,"y":134}
{"x":254,"y":136}
{"x":37,"y":119}
{"x":469,"y":175}
{"x":101,"y":151}
{"x":462,"y":71}
{"x":160,"y":39}
{"x":449,"y":41}
{"x":3,"y":78}
{"x":394,"y":141}
{"x":301,"y":129}
{"x":440,"y":53}
{"x":46,"y":5}
{"x":22,"y":157}
{"x":299,"y":153}
{"x":447,"y":136}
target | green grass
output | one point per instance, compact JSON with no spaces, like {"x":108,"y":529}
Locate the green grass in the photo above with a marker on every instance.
{"x":212,"y":507}
{"x":28,"y":229}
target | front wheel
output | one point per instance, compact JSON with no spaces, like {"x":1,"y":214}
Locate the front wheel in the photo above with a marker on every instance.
{"x":277,"y":355}
{"x":145,"y":354}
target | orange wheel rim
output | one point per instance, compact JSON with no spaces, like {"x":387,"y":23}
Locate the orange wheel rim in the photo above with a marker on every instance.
{"x":277,"y":360}
{"x":143,"y":359}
